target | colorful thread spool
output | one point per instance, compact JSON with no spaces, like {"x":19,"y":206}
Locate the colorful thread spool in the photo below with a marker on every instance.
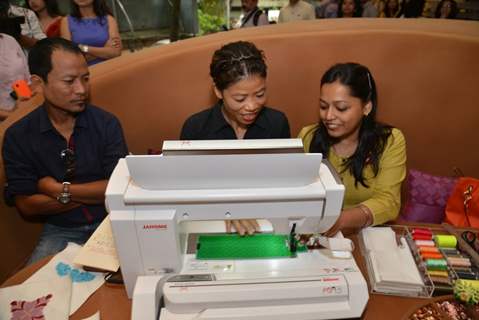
{"x":466,"y":275}
{"x":428,"y":250}
{"x":445,"y":241}
{"x":459,"y":262}
{"x":422,"y":231}
{"x":440,"y":280}
{"x":438,"y":273}
{"x":421,"y":236}
{"x":431,"y":255}
{"x":424,"y":243}
{"x":436,"y":264}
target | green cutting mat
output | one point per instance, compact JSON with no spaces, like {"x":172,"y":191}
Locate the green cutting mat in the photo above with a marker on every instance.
{"x":233,"y":246}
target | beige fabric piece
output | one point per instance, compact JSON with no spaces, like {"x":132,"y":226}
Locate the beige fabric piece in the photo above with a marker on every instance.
{"x":80,"y":290}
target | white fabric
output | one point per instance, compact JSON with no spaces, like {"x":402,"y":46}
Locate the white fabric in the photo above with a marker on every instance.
{"x":393,"y":265}
{"x":48,"y":298}
{"x":81,"y":291}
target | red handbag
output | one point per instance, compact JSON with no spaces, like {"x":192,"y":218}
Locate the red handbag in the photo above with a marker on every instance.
{"x":462,"y":209}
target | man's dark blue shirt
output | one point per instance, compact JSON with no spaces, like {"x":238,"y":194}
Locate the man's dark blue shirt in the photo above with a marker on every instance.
{"x":32,"y":149}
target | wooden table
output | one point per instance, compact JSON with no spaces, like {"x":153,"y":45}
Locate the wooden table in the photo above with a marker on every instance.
{"x":113,"y":303}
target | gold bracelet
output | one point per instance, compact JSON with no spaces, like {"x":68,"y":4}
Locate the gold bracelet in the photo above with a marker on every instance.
{"x":369,"y":217}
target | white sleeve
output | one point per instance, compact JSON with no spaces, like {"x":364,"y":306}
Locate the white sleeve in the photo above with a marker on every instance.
{"x":263,"y":20}
{"x":31,"y":27}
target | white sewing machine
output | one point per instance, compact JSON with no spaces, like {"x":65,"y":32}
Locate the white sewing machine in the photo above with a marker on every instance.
{"x":157,"y":202}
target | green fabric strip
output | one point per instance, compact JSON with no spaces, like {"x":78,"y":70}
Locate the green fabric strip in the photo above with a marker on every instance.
{"x":233,"y":246}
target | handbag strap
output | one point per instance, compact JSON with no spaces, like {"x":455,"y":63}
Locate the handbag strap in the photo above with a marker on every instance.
{"x":467,"y":198}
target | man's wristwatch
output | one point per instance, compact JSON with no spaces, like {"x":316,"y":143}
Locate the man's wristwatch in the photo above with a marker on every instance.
{"x":83,"y":48}
{"x":65,"y":196}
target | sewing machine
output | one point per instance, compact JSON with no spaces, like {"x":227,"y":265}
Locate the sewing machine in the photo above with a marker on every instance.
{"x":156,"y":203}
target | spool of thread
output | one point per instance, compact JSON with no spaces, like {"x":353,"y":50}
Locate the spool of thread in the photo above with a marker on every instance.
{"x":429,"y":250}
{"x":462,"y":269}
{"x":459,"y":262}
{"x":466,"y":275}
{"x":441,"y":280}
{"x":436,"y":264}
{"x":445,"y":241}
{"x":437,"y":273}
{"x":417,"y":236}
{"x":422,"y":231}
{"x":431,"y":255}
{"x":450,"y":251}
{"x":424,"y":243}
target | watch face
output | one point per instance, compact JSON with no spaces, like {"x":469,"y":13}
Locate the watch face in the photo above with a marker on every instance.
{"x":64,"y":198}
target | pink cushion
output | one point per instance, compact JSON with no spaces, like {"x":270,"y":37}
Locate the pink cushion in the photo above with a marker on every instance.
{"x":426,"y":197}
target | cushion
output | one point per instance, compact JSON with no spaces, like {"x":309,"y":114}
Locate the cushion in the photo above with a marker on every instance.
{"x":426,"y":197}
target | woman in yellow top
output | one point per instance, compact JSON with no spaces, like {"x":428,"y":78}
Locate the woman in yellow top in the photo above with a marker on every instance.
{"x":370,"y":157}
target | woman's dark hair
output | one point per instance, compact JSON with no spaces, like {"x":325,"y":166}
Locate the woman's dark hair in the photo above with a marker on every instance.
{"x":358,"y":9}
{"x":51,"y":6}
{"x":236,"y":61}
{"x":372,"y":135}
{"x":100,"y":8}
{"x":390,"y":14}
{"x":454,"y":10}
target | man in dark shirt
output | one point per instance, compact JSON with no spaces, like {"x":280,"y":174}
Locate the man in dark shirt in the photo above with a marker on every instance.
{"x":58,"y":158}
{"x":210,"y":124}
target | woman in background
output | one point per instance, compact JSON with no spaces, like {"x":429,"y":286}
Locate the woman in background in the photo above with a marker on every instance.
{"x":446,"y":9}
{"x":92,"y":27}
{"x":349,"y":9}
{"x":48,"y":14}
{"x":369,"y":156}
{"x":392,"y":9}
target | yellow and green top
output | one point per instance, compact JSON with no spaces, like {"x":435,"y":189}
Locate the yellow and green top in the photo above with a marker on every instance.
{"x":383,"y":197}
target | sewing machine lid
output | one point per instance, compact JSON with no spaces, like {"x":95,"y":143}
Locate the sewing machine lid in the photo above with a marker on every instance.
{"x":236,"y":171}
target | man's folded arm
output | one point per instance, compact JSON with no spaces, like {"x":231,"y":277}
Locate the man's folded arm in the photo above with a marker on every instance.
{"x":84,"y":193}
{"x":40,"y":204}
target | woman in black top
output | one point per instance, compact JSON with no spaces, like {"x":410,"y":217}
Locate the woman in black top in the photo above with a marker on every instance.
{"x":238,"y":70}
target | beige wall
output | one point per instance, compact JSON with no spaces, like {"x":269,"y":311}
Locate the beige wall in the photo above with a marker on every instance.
{"x":427,"y":73}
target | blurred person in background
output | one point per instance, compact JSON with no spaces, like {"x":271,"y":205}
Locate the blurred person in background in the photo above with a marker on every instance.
{"x":48,"y":14}
{"x":93,"y":28}
{"x":252,"y":16}
{"x":296,"y":10}
{"x":391,"y":9}
{"x":446,"y":9}
{"x":349,"y":9}
{"x":13,"y":63}
{"x":31,"y":30}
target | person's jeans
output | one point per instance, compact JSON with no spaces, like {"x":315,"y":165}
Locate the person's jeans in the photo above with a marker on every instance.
{"x":54,"y":239}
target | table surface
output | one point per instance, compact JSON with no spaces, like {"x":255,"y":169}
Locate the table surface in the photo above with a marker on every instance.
{"x":113,"y":303}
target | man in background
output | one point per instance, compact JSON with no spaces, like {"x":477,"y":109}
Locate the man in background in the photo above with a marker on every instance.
{"x":296,"y":10}
{"x":252,"y":16}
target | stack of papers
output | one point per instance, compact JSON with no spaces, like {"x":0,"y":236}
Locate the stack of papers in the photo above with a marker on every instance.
{"x":391,"y":263}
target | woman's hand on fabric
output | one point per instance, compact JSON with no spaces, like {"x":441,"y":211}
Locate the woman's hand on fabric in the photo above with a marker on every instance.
{"x":242,"y":227}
